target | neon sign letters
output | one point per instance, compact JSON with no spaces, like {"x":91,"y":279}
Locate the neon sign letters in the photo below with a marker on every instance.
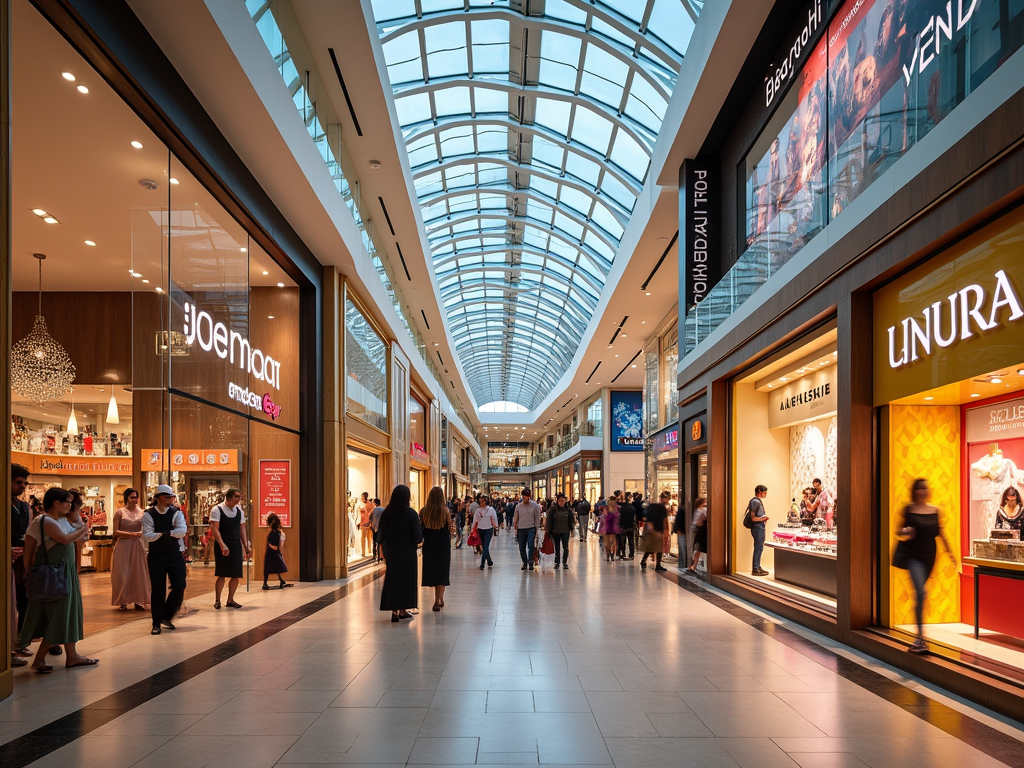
{"x":199,"y":326}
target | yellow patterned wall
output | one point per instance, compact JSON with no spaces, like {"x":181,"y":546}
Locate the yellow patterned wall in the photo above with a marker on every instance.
{"x":924,"y":441}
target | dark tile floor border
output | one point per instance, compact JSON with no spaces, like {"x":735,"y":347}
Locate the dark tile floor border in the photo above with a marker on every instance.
{"x":984,"y":738}
{"x":48,"y":738}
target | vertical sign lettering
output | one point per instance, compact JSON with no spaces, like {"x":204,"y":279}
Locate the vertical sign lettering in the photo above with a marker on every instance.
{"x":699,"y":240}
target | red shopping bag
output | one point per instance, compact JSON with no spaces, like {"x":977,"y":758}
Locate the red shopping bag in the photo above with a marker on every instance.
{"x":474,"y":538}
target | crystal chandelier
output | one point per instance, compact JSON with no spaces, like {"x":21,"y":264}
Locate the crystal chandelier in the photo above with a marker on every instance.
{"x":41,"y":370}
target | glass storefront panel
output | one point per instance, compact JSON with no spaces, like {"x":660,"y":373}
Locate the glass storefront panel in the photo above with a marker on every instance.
{"x":363,"y":476}
{"x":592,"y":480}
{"x":183,"y":332}
{"x":669,"y":363}
{"x":417,"y":424}
{"x":652,"y":376}
{"x":952,"y":412}
{"x":785,"y":437}
{"x":366,"y":369}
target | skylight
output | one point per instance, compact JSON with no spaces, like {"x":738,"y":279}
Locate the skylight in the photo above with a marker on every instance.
{"x":529,"y":136}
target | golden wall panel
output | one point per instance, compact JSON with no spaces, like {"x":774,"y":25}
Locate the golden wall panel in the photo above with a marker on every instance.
{"x":924,"y":442}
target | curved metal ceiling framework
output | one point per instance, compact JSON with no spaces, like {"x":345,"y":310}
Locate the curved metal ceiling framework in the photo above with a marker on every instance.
{"x":529,"y":126}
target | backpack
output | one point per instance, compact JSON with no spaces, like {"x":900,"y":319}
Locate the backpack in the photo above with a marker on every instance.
{"x":747,"y":517}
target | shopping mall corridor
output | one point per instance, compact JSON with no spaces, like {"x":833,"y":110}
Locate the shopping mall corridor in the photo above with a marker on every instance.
{"x":601,"y":664}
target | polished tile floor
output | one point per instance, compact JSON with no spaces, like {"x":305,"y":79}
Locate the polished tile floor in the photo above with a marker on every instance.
{"x":602,"y":664}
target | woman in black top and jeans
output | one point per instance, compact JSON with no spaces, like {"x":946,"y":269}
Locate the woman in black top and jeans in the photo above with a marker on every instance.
{"x":920,"y":528}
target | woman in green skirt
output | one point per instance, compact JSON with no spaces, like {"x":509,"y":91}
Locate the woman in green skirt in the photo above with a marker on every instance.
{"x":51,"y":538}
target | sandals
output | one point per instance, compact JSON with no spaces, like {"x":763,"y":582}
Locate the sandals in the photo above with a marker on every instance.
{"x":122,"y":608}
{"x":436,"y":607}
{"x":83,"y":662}
{"x":45,"y":669}
{"x":285,"y":585}
{"x":233,"y":604}
{"x":217,"y":605}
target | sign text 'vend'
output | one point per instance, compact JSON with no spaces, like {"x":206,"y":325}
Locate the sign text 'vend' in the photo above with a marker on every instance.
{"x":930,"y":40}
{"x":946,"y":322}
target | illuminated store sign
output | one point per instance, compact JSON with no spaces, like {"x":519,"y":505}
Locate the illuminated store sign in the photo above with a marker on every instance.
{"x":956,"y":319}
{"x":1001,"y":421}
{"x":929,"y":42}
{"x":700,"y":240}
{"x":779,"y":76}
{"x":263,"y":403}
{"x":806,"y":399}
{"x":229,"y":345}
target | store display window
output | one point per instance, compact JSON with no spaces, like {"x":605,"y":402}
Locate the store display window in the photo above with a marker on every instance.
{"x":363,"y":476}
{"x":949,"y":384}
{"x":784,"y":436}
{"x":366,"y":369}
{"x":508,"y":457}
{"x":180,"y":332}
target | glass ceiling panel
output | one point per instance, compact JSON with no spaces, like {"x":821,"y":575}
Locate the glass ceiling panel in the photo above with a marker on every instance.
{"x":529,"y":135}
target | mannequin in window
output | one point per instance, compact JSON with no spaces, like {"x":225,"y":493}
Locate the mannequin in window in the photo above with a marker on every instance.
{"x":1010,"y":513}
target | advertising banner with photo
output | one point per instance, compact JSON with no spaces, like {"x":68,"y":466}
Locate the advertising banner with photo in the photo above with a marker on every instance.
{"x":627,"y":421}
{"x":885,"y":73}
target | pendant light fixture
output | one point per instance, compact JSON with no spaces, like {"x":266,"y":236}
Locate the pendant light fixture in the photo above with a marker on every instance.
{"x":113,"y":417}
{"x":72,"y":419}
{"x":41,"y":371}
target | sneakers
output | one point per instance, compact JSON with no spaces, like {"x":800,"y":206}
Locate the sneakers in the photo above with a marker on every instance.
{"x":523,"y":568}
{"x":759,"y":572}
{"x":17,"y":661}
{"x":919,"y":647}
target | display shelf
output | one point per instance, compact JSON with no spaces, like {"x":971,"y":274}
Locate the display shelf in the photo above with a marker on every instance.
{"x":1004,"y":565}
{"x":790,"y":548}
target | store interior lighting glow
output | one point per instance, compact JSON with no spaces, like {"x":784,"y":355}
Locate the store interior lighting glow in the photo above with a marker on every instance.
{"x":113,"y":417}
{"x":72,"y":419}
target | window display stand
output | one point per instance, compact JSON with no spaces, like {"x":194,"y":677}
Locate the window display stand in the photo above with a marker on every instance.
{"x":807,"y":569}
{"x":997,"y":569}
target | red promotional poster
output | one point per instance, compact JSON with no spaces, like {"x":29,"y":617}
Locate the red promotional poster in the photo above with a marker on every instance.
{"x":276,"y":491}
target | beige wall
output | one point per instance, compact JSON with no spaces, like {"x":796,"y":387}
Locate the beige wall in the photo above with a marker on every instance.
{"x":760,"y":457}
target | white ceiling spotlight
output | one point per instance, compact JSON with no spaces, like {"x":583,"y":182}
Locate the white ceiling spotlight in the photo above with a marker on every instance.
{"x":68,"y":76}
{"x":137,"y":144}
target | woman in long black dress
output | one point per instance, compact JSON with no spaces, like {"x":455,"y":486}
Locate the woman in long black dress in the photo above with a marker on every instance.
{"x":399,"y":535}
{"x":437,"y":545}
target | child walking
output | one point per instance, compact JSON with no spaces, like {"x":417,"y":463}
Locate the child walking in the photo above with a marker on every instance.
{"x":273,"y":558}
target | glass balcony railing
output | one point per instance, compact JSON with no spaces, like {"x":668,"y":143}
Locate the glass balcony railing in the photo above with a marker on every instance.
{"x":567,"y":443}
{"x":327,"y":138}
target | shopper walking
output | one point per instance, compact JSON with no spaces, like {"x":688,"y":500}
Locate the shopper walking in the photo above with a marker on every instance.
{"x":378,"y":510}
{"x":655,"y":523}
{"x":609,"y":529}
{"x":561,"y":520}
{"x":163,"y":527}
{"x":129,"y":579}
{"x":273,"y":558}
{"x":50,"y":540}
{"x":700,"y":533}
{"x":227,"y":521}
{"x":627,"y":526}
{"x":525,"y":521}
{"x":438,"y":527}
{"x":583,"y":516}
{"x":21,"y":517}
{"x":400,"y":535}
{"x":920,"y":528}
{"x":756,"y":516}
{"x":485,"y":520}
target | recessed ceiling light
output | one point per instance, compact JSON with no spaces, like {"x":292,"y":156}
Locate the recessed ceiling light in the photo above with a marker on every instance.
{"x":801,"y":370}
{"x":643,"y":322}
{"x":39,"y":212}
{"x":622,"y":335}
{"x":146,"y":282}
{"x":173,"y":180}
{"x":1020,"y":371}
{"x":68,"y":76}
{"x":82,"y":89}
{"x":770,"y":386}
{"x":997,"y":380}
{"x":783,"y":379}
{"x":975,"y":394}
{"x":243,"y":250}
{"x":90,"y":243}
{"x":835,"y":354}
{"x":137,"y":144}
{"x":159,"y":289}
{"x":929,"y":398}
{"x":647,"y":293}
{"x":50,"y":220}
{"x":634,"y":365}
{"x":265,"y":272}
{"x":280,"y":285}
{"x":270,"y":317}
{"x":437,"y":344}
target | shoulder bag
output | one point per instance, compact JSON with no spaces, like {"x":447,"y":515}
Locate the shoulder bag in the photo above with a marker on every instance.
{"x":47,"y":583}
{"x":901,"y":555}
{"x":747,"y":521}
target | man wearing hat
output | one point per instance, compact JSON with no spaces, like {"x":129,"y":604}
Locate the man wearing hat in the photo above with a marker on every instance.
{"x":163,"y":528}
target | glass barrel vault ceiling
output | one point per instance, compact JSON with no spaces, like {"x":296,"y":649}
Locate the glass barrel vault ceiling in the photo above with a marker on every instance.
{"x":529,"y":126}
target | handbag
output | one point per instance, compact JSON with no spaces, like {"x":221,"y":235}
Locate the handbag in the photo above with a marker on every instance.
{"x":901,"y":556}
{"x":47,"y":583}
{"x":474,"y":537}
{"x":548,"y":547}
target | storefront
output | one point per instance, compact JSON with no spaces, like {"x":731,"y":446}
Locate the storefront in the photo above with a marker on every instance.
{"x":367,"y":446}
{"x":419,"y":459}
{"x":866,"y":332}
{"x":785,"y":437}
{"x":949,"y":384}
{"x":593,"y":480}
{"x":176,"y":348}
